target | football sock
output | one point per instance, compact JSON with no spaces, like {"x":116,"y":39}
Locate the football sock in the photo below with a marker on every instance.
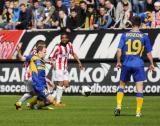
{"x":18,"y":103}
{"x":25,"y":97}
{"x":33,"y":101}
{"x":139,"y":98}
{"x":54,"y":94}
{"x":41,"y":104}
{"x":120,"y":94}
{"x":59,"y":92}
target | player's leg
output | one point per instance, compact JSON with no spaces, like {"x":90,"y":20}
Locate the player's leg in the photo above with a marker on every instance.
{"x":139,"y":76}
{"x":63,"y":86}
{"x":139,"y":98}
{"x":120,"y":94}
{"x":59,"y":91}
{"x":124,"y":77}
{"x":58,"y":77}
{"x":26,"y":96}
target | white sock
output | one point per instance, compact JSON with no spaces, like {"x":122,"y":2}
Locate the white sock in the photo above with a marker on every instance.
{"x":59,"y":92}
{"x":25,"y":97}
{"x":54,"y":94}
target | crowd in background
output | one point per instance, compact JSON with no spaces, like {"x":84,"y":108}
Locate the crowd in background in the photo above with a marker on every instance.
{"x":77,"y":14}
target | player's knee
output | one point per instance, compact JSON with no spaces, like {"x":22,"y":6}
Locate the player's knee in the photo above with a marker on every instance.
{"x":60,"y":83}
{"x":66,"y":84}
{"x":139,"y":87}
{"x":140,"y":90}
{"x":27,"y":95}
{"x":50,"y":99}
{"x":122,"y":84}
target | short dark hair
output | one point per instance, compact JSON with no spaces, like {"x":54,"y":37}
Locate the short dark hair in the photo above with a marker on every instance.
{"x":73,"y":10}
{"x":64,"y":33}
{"x":136,"y":21}
{"x":35,"y":1}
{"x":58,"y":0}
{"x":40,"y":48}
{"x":40,"y":43}
{"x":101,"y":7}
{"x":22,"y":4}
{"x":82,"y":2}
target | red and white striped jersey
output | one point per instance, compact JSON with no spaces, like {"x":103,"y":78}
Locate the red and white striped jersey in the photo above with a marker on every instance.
{"x":61,"y":55}
{"x":27,"y":73}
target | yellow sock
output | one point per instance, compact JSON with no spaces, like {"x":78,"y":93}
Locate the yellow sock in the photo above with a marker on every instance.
{"x":139,"y":102}
{"x":18,"y":103}
{"x":40,"y":104}
{"x":33,"y":101}
{"x":120,"y":95}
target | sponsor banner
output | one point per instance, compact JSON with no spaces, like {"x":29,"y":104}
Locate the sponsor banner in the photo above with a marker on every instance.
{"x":8,"y":43}
{"x":97,"y":44}
{"x":102,"y":77}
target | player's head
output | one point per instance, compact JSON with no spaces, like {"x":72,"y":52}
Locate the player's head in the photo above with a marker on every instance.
{"x":64,"y":38}
{"x":136,"y":21}
{"x":41,"y":50}
{"x":40,"y":43}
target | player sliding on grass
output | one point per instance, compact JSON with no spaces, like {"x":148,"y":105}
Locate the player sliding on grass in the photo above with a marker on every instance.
{"x":37,"y":67}
{"x":28,"y":79}
{"x":131,"y":48}
{"x":59,"y":60}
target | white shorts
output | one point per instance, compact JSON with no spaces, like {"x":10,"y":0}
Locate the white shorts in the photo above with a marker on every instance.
{"x":60,"y":75}
{"x":28,"y":84}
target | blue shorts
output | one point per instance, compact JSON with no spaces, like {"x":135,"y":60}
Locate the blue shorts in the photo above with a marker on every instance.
{"x":138,"y":74}
{"x":41,"y":90}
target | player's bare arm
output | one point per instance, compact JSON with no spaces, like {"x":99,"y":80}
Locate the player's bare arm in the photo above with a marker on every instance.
{"x":119,"y":54}
{"x":151,"y":67}
{"x":77,"y":59}
{"x":22,"y":58}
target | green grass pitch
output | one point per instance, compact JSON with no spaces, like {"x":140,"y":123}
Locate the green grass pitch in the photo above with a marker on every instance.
{"x":82,"y":111}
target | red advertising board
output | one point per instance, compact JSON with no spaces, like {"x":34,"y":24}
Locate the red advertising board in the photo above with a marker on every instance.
{"x":8,"y":42}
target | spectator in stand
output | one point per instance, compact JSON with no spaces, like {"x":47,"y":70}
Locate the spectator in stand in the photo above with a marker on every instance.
{"x":75,"y":22}
{"x":75,"y":7}
{"x":138,"y":6}
{"x":16,"y":14}
{"x":83,"y":7}
{"x":38,"y":15}
{"x":91,"y":18}
{"x":90,"y":2}
{"x":146,"y":19}
{"x":49,"y":10}
{"x":104,"y":20}
{"x":149,"y":5}
{"x":55,"y":20}
{"x":124,"y":17}
{"x":60,"y":6}
{"x":101,"y":3}
{"x":24,"y":21}
{"x":110,"y":10}
{"x":66,"y":3}
{"x":1,"y":6}
{"x":156,"y":15}
{"x":64,"y":21}
{"x":7,"y":15}
{"x":120,"y":8}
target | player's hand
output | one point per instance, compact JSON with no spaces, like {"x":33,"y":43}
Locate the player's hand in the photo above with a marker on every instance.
{"x":19,"y":46}
{"x":151,"y":67}
{"x":53,"y":65}
{"x":119,"y":65}
{"x":80,"y":66}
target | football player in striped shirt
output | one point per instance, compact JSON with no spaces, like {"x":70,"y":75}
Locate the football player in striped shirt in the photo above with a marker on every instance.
{"x":59,"y":59}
